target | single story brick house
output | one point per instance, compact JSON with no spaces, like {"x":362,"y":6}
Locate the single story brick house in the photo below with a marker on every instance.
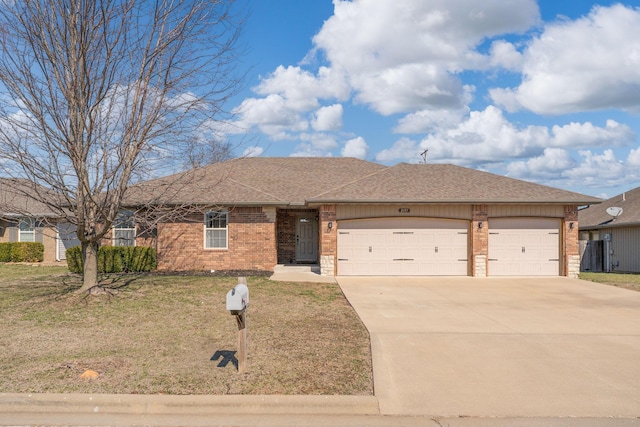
{"x":611,"y":241}
{"x":354,"y":217}
{"x":23,"y":219}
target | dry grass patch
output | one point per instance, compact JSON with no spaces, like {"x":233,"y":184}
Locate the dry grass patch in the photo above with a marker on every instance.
{"x":157,"y":334}
{"x":621,"y":280}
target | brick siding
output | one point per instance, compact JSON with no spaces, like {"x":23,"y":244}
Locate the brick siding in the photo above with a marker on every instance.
{"x":251,"y":243}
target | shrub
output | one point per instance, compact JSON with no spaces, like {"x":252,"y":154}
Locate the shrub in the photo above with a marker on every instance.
{"x":21,"y":252}
{"x":115,"y":259}
{"x":27,"y":252}
{"x":5,"y":252}
{"x":110,"y":259}
{"x":74,"y":259}
{"x":138,"y":258}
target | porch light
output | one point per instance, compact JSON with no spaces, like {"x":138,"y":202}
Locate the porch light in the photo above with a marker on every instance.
{"x":330,"y":225}
{"x":480,"y":224}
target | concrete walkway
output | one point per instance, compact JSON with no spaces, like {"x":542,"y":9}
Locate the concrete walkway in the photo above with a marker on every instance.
{"x":504,"y":347}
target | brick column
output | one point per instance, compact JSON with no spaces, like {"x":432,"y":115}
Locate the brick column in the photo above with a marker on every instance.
{"x":571,"y":267}
{"x":479,"y":240}
{"x":328,"y":240}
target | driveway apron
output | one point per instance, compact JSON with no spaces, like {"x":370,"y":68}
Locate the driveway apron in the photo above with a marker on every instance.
{"x":501,"y":347}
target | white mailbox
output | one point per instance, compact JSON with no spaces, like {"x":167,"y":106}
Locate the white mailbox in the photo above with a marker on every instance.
{"x":238,"y":298}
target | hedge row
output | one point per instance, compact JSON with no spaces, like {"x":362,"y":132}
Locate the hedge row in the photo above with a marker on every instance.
{"x":21,"y":252}
{"x":115,"y":259}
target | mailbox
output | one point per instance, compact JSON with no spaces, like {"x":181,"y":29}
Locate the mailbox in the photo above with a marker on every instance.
{"x":238,"y":298}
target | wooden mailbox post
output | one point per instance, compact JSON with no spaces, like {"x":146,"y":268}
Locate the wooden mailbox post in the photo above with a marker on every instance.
{"x":237,"y":303}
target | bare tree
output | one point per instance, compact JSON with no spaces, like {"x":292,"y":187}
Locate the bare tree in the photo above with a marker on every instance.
{"x":97,"y":94}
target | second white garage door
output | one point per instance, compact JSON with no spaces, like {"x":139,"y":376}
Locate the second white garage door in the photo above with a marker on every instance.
{"x":403,"y":246}
{"x":524,"y":247}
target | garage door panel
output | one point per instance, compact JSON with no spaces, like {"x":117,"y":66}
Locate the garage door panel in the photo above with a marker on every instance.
{"x":524,"y":247}
{"x":411,"y":246}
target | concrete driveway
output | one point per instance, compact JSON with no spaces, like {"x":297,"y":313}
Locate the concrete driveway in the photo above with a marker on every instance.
{"x":502,"y":347}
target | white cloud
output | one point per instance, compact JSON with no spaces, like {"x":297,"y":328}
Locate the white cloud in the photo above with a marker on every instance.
{"x":253,"y":152}
{"x":551,"y":164}
{"x":583,"y":65}
{"x":272,"y":115}
{"x":505,"y":55}
{"x":356,"y":147}
{"x":328,"y":118}
{"x":485,"y":136}
{"x":403,"y":149}
{"x":634,"y":158}
{"x":430,"y":120}
{"x":597,"y":169}
{"x":582,"y":135}
{"x":401,"y":56}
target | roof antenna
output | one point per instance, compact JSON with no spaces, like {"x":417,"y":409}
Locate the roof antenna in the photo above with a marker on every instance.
{"x":424,"y":156}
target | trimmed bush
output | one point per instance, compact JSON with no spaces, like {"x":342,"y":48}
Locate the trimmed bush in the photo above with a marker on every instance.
{"x":5,"y":252}
{"x":138,"y":258}
{"x":115,"y":259}
{"x":110,"y":259}
{"x":21,"y":252}
{"x":74,"y":259}
{"x":27,"y":252}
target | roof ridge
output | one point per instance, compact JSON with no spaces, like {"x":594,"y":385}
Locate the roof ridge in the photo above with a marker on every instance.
{"x":385,"y":168}
{"x":257,"y":189}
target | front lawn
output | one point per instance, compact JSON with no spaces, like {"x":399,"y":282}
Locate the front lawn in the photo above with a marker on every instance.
{"x":622,"y":280}
{"x":158,"y":333}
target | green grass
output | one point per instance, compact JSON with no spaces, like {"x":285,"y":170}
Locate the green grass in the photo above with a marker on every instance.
{"x":623,"y":280}
{"x":157,"y":334}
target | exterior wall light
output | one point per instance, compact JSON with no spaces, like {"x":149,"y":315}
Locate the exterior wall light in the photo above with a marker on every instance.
{"x":480,"y":224}
{"x":571,"y":225}
{"x":330,"y":225}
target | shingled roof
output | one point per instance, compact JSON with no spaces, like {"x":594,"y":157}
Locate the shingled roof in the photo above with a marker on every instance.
{"x":15,"y":199}
{"x":596,"y":216}
{"x":445,"y":183}
{"x":301,"y":181}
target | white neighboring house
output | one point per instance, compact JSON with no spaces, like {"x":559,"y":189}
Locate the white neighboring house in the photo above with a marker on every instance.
{"x":23,"y":219}
{"x":611,"y":243}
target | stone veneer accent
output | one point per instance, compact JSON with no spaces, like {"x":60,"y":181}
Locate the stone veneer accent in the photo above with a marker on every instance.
{"x":328,"y":240}
{"x":479,"y":240}
{"x":571,"y":243}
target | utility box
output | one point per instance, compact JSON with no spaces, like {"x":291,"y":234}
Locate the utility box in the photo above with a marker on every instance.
{"x":238,"y":298}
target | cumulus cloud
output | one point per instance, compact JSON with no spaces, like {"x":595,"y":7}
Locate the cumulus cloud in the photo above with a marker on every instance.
{"x":550,"y":165}
{"x":328,"y":118}
{"x":356,"y":147}
{"x":488,"y":138}
{"x":504,"y":54}
{"x":582,"y":135}
{"x":485,"y":136}
{"x":583,"y":65}
{"x":404,"y":149}
{"x":402,"y":56}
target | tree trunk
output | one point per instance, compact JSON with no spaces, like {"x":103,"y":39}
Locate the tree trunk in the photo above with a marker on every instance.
{"x":90,"y":272}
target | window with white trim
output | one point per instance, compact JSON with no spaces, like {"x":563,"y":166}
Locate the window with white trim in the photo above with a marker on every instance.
{"x":124,"y":229}
{"x":26,"y":230}
{"x":215,"y":230}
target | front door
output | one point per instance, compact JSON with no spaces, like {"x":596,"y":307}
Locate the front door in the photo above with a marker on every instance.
{"x":307,"y":238}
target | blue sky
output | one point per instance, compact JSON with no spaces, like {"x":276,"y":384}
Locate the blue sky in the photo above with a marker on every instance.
{"x":545,"y":91}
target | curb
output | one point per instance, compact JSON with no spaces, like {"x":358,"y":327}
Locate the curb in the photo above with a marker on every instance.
{"x":51,"y":403}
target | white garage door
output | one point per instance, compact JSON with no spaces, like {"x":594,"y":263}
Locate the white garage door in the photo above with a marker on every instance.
{"x":403,"y":246}
{"x":524,"y":247}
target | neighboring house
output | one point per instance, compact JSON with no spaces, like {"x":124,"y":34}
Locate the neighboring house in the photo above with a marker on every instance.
{"x":354,"y":217}
{"x":611,"y":241}
{"x":23,"y":219}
